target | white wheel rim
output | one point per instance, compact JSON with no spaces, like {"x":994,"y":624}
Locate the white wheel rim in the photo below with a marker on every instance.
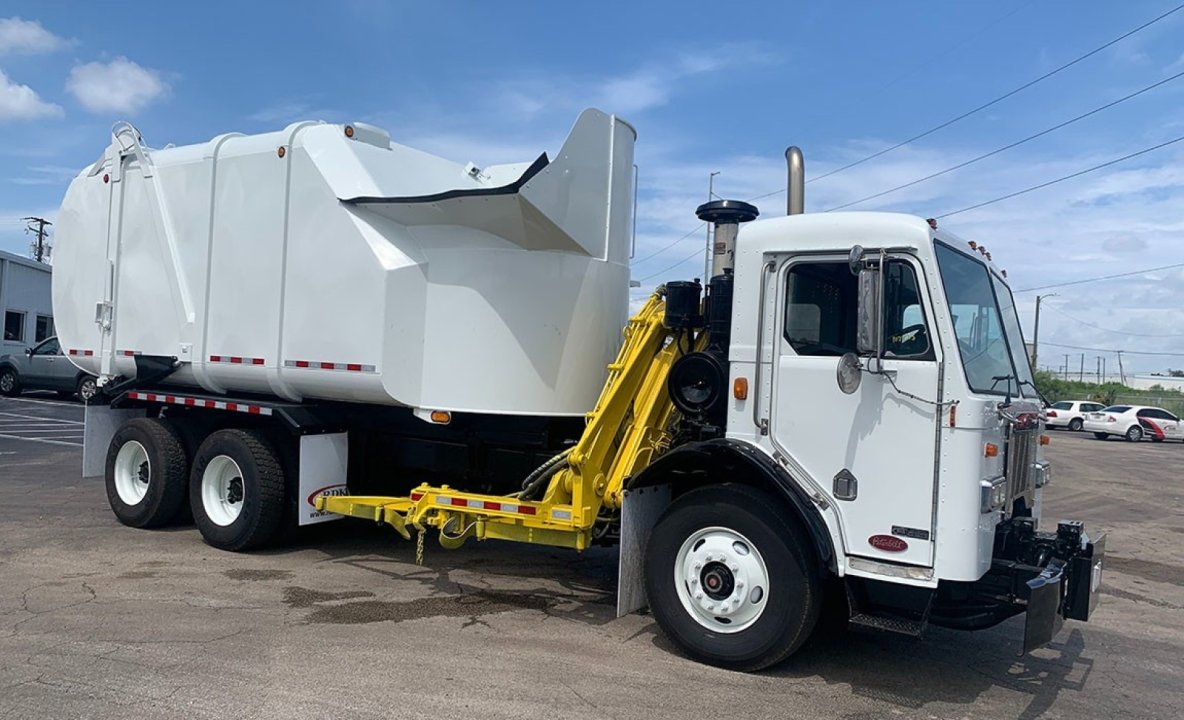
{"x":133,"y":472}
{"x":721,"y":579}
{"x":222,"y":490}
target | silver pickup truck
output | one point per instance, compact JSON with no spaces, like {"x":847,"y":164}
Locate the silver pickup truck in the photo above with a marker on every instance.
{"x":44,"y":367}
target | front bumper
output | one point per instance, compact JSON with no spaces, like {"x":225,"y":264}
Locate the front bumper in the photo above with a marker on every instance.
{"x":1064,"y":590}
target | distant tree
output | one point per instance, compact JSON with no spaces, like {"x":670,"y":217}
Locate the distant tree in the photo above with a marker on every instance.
{"x":1176,"y":373}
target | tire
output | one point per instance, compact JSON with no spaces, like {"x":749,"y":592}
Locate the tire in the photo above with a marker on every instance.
{"x":10,"y":383}
{"x":1134,"y":433}
{"x":1101,"y":436}
{"x":760,"y":546}
{"x":146,"y":447}
{"x":86,"y":389}
{"x":236,"y":490}
{"x":1075,"y":425}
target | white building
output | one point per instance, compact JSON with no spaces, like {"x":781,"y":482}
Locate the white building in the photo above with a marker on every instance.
{"x":25,"y":301}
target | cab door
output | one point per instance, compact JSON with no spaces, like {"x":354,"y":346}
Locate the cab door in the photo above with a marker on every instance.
{"x":872,"y":451}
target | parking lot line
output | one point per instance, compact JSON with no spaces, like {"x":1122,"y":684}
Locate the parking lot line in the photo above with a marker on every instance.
{"x":39,"y":417}
{"x":40,"y":440}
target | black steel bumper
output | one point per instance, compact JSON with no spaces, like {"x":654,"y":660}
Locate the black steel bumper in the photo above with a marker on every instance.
{"x":1064,"y":589}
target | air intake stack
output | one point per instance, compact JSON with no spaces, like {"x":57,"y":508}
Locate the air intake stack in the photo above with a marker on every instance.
{"x":727,"y":216}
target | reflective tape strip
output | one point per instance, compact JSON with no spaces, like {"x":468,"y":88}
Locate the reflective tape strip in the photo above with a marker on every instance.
{"x":127,"y":353}
{"x":198,"y":402}
{"x":83,"y":353}
{"x":474,"y":504}
{"x":236,"y":360}
{"x":319,"y":365}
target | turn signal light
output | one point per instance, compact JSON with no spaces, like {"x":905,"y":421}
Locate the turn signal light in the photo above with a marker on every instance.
{"x":991,"y":450}
{"x":349,"y":131}
{"x":441,"y":417}
{"x":740,"y":388}
{"x":1044,"y":439}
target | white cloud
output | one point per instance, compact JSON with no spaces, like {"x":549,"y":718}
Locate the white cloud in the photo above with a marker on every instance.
{"x":21,"y":102}
{"x":117,"y":86}
{"x":27,"y":37}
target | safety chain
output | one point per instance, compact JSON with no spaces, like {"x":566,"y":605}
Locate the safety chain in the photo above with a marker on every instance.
{"x":419,"y":547}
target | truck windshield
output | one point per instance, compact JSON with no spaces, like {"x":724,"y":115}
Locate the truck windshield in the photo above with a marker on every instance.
{"x":986,"y":326}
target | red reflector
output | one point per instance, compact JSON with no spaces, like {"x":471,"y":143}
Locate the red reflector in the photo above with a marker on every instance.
{"x":301,"y":363}
{"x":253,"y":409}
{"x":232,"y":406}
{"x":489,"y":505}
{"x":354,"y":366}
{"x":526,"y":510}
{"x":888,"y":543}
{"x":325,"y":365}
{"x":256,"y":361}
{"x":236,"y":360}
{"x":461,"y":502}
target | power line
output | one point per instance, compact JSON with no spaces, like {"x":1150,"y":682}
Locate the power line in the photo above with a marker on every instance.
{"x":1079,"y":173}
{"x":1107,"y":350}
{"x":1116,"y":332}
{"x":988,"y":104}
{"x":661,"y":250}
{"x":1103,"y":277}
{"x":1017,"y":143}
{"x":687,"y":259}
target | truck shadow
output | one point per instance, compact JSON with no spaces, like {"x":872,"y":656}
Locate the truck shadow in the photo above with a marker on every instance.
{"x":947,"y":667}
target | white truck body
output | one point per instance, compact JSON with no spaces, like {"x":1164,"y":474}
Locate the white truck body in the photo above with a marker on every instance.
{"x":326,"y":262}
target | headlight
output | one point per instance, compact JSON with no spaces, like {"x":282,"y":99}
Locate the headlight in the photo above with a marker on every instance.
{"x":1043,"y":471}
{"x":993,"y":494}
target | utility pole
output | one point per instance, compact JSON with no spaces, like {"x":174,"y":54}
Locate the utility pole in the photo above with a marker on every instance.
{"x":1036,"y":329}
{"x":710,"y":244}
{"x":1103,"y":368}
{"x":1066,"y":366}
{"x":1081,"y":371}
{"x":1098,"y":368}
{"x":1121,"y":372}
{"x":40,"y":246}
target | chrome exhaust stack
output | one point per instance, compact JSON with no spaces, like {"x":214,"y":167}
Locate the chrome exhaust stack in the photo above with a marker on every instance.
{"x":795,"y":203}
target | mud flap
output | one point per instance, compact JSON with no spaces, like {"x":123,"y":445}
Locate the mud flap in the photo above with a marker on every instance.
{"x":639,"y":513}
{"x":1043,"y":619}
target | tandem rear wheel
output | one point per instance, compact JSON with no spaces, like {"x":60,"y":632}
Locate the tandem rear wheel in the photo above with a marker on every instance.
{"x":146,"y":473}
{"x":236,"y":490}
{"x":730,"y":580}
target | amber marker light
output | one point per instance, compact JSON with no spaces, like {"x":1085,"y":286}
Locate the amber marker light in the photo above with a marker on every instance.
{"x":441,"y":417}
{"x":1044,"y":439}
{"x":991,"y":450}
{"x":281,"y":151}
{"x":349,"y":131}
{"x":740,"y":388}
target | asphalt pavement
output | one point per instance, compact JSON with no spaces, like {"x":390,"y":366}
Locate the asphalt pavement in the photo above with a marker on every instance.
{"x":102,"y":621}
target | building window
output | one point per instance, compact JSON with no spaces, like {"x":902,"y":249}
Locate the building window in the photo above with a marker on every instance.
{"x":14,"y":326}
{"x":45,"y":328}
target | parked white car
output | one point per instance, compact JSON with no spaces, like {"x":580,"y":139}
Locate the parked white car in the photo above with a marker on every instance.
{"x":1134,"y":422}
{"x":1070,"y":413}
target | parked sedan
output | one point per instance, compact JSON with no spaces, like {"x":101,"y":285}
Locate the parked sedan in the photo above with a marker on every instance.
{"x":1070,"y":413}
{"x":44,"y":367}
{"x":1134,"y":422}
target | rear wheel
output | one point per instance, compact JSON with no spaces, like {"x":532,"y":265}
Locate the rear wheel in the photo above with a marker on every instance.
{"x":1134,"y":434}
{"x":236,"y":490}
{"x":730,"y":580}
{"x":1101,"y":436}
{"x":10,"y":384}
{"x":87,"y":388}
{"x":1075,"y":425}
{"x":146,"y":473}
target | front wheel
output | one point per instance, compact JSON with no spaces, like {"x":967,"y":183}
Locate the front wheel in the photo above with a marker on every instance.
{"x":1075,"y":425}
{"x":236,"y":490}
{"x":1134,"y":434}
{"x":731,"y":580}
{"x":10,"y":384}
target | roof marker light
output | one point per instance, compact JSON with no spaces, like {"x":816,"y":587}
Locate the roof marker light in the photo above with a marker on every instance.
{"x":932,"y":222}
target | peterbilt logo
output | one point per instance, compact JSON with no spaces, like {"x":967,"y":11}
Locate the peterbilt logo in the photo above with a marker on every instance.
{"x":887,"y":543}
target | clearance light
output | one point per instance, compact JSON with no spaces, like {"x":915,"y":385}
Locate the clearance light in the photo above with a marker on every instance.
{"x":973,"y":245}
{"x":349,"y":131}
{"x":932,"y":223}
{"x":1003,"y":272}
{"x":281,"y":151}
{"x":991,"y":450}
{"x":953,"y":415}
{"x":1044,"y":439}
{"x":441,"y":417}
{"x":740,"y":388}
{"x":988,"y":257}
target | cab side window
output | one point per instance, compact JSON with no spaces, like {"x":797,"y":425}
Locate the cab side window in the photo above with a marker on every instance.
{"x":821,"y":302}
{"x":906,"y":334}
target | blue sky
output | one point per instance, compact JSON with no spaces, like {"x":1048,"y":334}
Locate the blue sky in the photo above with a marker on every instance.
{"x":709,"y":87}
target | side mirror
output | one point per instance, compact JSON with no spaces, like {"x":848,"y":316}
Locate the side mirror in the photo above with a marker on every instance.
{"x":855,"y":259}
{"x":29,"y":352}
{"x":867,"y":325}
{"x":849,"y":373}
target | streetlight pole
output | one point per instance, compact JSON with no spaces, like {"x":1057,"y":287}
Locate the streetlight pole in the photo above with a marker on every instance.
{"x":1036,"y":329}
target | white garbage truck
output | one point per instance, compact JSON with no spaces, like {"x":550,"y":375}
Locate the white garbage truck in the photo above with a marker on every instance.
{"x":299,"y":326}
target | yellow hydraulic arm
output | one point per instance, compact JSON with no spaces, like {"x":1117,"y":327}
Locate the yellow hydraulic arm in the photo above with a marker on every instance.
{"x":626,"y":431}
